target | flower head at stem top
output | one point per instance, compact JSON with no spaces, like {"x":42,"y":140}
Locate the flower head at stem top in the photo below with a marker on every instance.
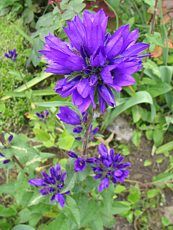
{"x":52,"y":184}
{"x":95,"y":62}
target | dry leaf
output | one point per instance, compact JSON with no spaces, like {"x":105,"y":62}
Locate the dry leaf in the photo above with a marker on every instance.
{"x":157,"y":52}
{"x":167,"y":9}
{"x":99,"y":4}
{"x":170,"y":44}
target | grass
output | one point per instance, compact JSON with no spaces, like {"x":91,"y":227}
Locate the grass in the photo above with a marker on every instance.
{"x":12,"y":75}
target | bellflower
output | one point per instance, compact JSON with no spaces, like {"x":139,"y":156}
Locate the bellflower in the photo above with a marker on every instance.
{"x":109,"y":167}
{"x":52,"y":184}
{"x":95,"y":62}
{"x":80,"y":163}
{"x":69,"y":116}
{"x":11,"y":54}
{"x":43,"y":115}
{"x":77,"y":129}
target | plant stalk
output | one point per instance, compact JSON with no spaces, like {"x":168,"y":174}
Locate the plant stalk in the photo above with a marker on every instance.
{"x":14,"y":158}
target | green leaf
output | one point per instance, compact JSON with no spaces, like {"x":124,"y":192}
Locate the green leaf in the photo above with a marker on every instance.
{"x":158,"y":89}
{"x":24,"y":215}
{"x":65,"y":141}
{"x":88,"y":209}
{"x":53,"y":104}
{"x":36,"y":199}
{"x":119,"y":189}
{"x":136,"y":114}
{"x":2,"y":107}
{"x":113,"y":3}
{"x":7,"y":212}
{"x":137,"y":98}
{"x":166,"y":73}
{"x":163,"y":177}
{"x":165,"y":148}
{"x":165,"y":221}
{"x":158,"y":136}
{"x":25,"y":35}
{"x":152,"y":193}
{"x":134,"y":195}
{"x":70,"y":182}
{"x":30,"y":83}
{"x":72,"y":206}
{"x":136,"y":138}
{"x":121,"y":207}
{"x":42,"y":92}
{"x":61,"y":223}
{"x":23,"y":227}
{"x":147,"y":163}
{"x":150,"y":2}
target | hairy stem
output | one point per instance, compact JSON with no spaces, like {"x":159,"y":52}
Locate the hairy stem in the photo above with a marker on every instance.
{"x":87,"y":133}
{"x":14,"y":158}
{"x":153,"y":20}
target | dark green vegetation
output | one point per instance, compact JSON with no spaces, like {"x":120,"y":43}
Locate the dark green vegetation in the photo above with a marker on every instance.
{"x":140,"y":127}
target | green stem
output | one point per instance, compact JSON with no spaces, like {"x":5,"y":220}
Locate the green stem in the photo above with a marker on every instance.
{"x":14,"y":158}
{"x":116,"y":15}
{"x":86,"y":136}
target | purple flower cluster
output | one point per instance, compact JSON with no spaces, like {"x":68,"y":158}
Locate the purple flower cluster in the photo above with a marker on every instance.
{"x":70,"y":117}
{"x":11,"y":54}
{"x":107,"y":167}
{"x":43,"y":115}
{"x":52,"y":184}
{"x":80,"y":163}
{"x":96,"y":63}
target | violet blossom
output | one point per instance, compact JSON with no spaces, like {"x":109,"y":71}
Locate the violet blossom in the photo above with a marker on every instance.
{"x":43,"y":115}
{"x":95,"y":62}
{"x":52,"y":184}
{"x":109,"y":167}
{"x":11,"y":54}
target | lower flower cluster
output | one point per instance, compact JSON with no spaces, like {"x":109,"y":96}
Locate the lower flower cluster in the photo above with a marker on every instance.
{"x":52,"y":184}
{"x":107,"y":167}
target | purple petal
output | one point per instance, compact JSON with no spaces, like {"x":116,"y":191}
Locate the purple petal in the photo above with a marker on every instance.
{"x":37,"y":182}
{"x":107,"y":95}
{"x":10,"y":138}
{"x":60,"y":58}
{"x":69,"y":116}
{"x":135,"y":49}
{"x":72,"y":154}
{"x":77,"y":129}
{"x":83,"y":87}
{"x":79,"y":164}
{"x":6,"y":161}
{"x":103,"y":151}
{"x":2,"y":155}
{"x":104,"y":184}
{"x":118,"y":173}
{"x":60,"y":199}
